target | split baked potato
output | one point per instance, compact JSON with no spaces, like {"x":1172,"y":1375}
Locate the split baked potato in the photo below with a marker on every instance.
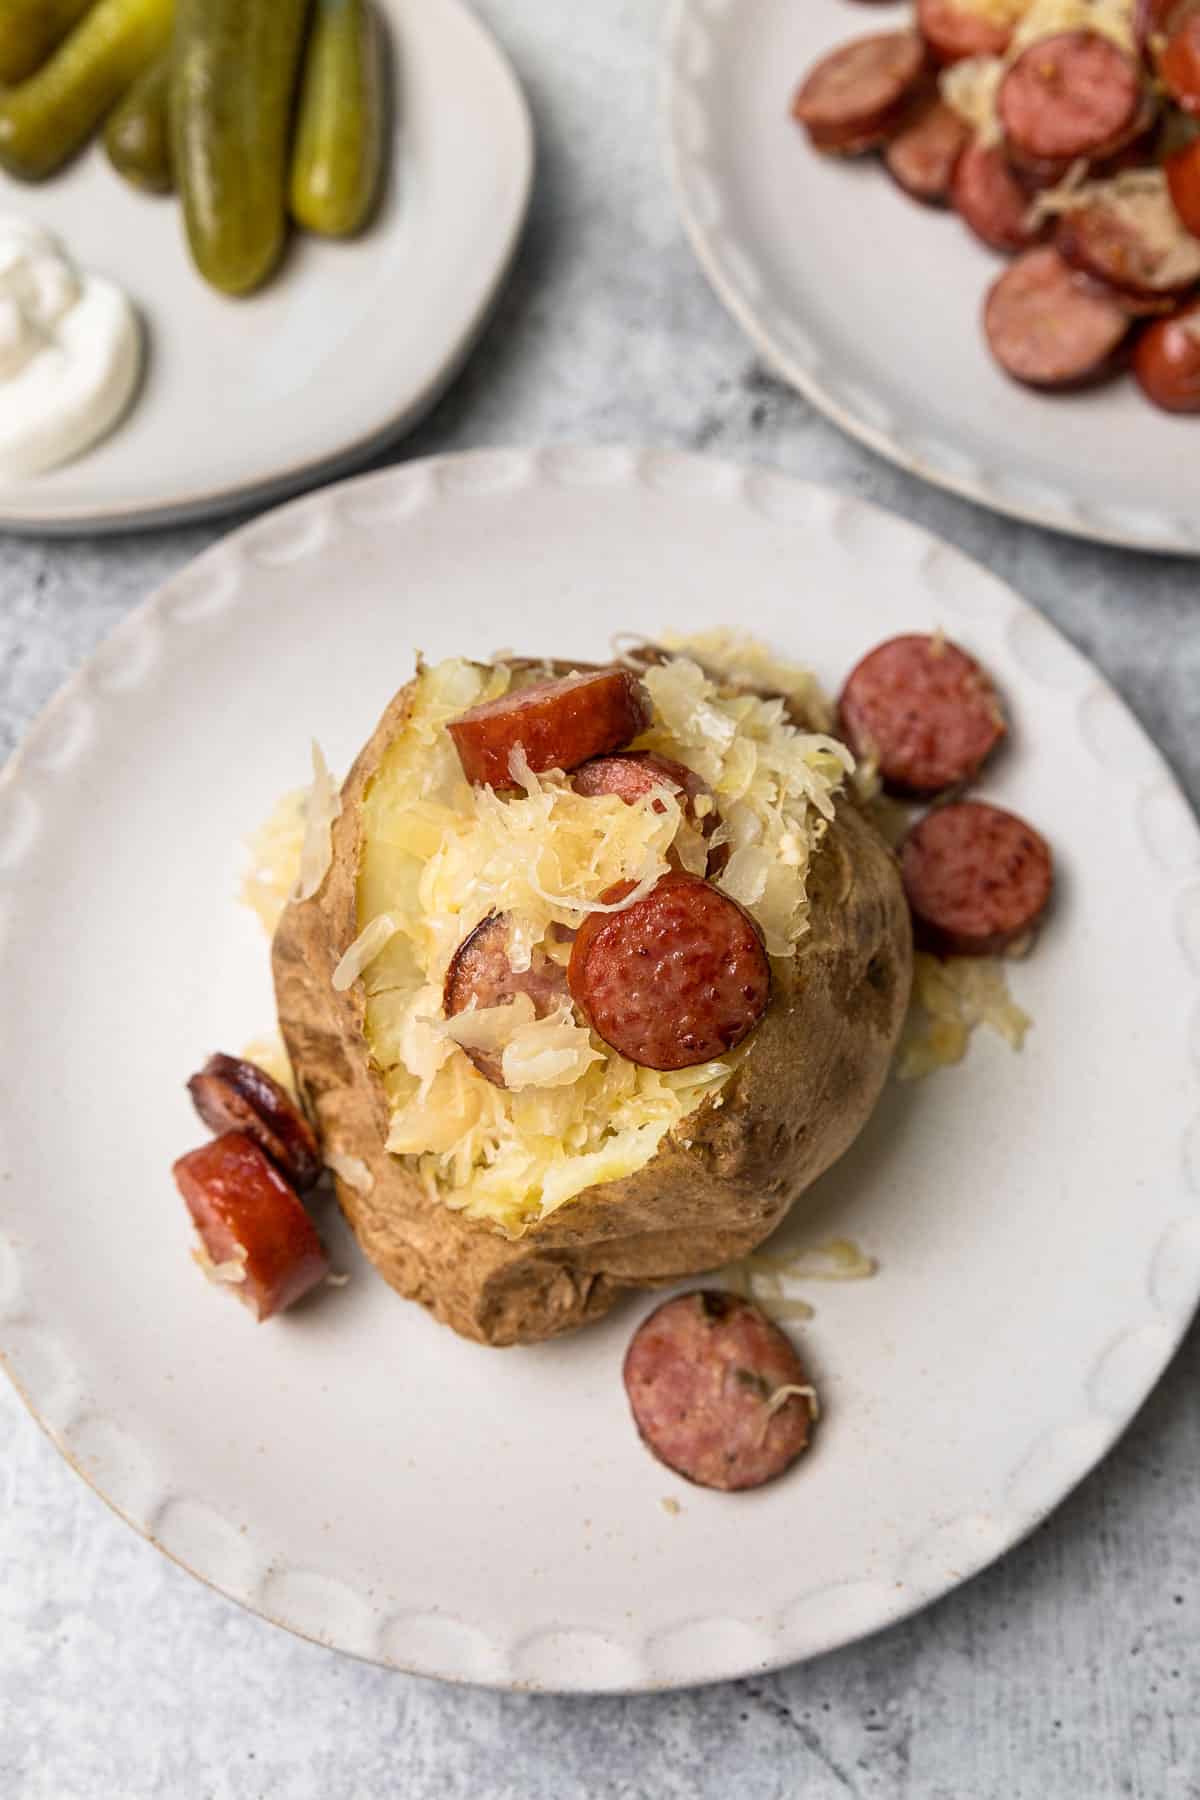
{"x":516,"y":1212}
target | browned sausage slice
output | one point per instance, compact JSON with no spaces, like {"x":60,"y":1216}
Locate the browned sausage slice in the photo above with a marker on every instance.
{"x":923,"y":711}
{"x":977,"y":878}
{"x":922,"y":157}
{"x":634,"y":773}
{"x":480,"y":971}
{"x":1070,"y":95}
{"x":718,"y":1392}
{"x":231,"y":1094}
{"x":676,"y":979}
{"x":1046,"y":327}
{"x":988,"y":196}
{"x":1140,"y":251}
{"x":558,"y":724}
{"x":1166,"y":362}
{"x":257,"y":1237}
{"x":856,"y":94}
{"x":953,"y":33}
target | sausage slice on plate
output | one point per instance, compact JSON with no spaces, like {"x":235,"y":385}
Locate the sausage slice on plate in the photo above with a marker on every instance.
{"x":1166,"y":362}
{"x":231,"y":1094}
{"x":923,"y":156}
{"x":558,"y":724}
{"x":988,"y":197}
{"x":718,"y":1392}
{"x":924,"y":711}
{"x":1047,"y":328}
{"x":1074,"y":94}
{"x":257,"y":1237}
{"x":854,"y":97}
{"x":678,"y":978}
{"x":954,"y":32}
{"x":977,"y":878}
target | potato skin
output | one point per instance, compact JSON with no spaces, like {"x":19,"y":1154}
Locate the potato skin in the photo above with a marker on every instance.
{"x":717,"y":1186}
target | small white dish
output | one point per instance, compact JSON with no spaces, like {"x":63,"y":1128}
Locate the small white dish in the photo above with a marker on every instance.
{"x":870,"y":304}
{"x":353,"y":1470}
{"x":245,"y":400}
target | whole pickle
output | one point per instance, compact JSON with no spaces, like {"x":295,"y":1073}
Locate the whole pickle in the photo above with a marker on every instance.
{"x":338,"y":151}
{"x":29,"y":30}
{"x":45,"y":120}
{"x":137,"y":135}
{"x":233,"y":83}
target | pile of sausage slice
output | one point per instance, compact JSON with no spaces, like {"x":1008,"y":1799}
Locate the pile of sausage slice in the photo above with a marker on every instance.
{"x":1109,"y":280}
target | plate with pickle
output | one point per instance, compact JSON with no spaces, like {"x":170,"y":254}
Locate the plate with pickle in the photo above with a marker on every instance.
{"x":243,"y":243}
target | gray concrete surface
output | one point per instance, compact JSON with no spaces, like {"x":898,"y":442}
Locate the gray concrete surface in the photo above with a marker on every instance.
{"x":1071,"y":1670}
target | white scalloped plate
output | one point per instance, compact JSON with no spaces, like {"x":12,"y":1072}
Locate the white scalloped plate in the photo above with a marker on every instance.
{"x":246,"y":400}
{"x":355,"y":1471}
{"x":870,"y":304}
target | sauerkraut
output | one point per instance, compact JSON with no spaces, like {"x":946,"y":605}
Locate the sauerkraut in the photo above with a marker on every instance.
{"x":950,"y":999}
{"x":439,"y":856}
{"x":1139,"y":200}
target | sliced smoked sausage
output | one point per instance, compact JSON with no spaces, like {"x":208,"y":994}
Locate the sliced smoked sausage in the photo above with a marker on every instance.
{"x":1047,"y":328}
{"x":231,"y":1094}
{"x":1129,"y":237}
{"x":480,"y":972}
{"x":923,"y":155}
{"x":718,"y":1392}
{"x":856,"y":95}
{"x":988,"y":197}
{"x":923,"y":711}
{"x":954,"y":32}
{"x":1166,"y":362}
{"x":558,"y":724}
{"x":977,"y":878}
{"x":256,"y":1236}
{"x":632,"y":774}
{"x":1070,"y":95}
{"x":678,"y":978}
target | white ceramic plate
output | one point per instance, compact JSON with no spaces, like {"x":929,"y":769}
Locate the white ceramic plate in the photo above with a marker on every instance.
{"x":350,"y":343}
{"x":355,"y":1471}
{"x":870,"y":304}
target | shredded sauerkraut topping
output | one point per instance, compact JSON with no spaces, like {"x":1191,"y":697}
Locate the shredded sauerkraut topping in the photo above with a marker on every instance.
{"x":1046,"y":18}
{"x":767,"y":1276}
{"x":969,"y":88}
{"x":950,"y":999}
{"x":439,"y":857}
{"x":270,"y":881}
{"x":321,"y":808}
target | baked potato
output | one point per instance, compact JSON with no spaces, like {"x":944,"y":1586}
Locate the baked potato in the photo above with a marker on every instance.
{"x":516,"y":1205}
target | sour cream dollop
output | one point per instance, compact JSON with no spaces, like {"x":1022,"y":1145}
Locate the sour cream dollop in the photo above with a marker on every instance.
{"x":70,"y":353}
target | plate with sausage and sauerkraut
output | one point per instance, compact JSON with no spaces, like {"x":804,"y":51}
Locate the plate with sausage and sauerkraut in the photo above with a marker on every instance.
{"x":969,"y":230}
{"x":560,"y":1135}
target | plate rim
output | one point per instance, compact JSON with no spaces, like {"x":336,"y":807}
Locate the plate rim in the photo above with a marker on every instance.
{"x":1090,"y":1430}
{"x":334,"y":464}
{"x":684,"y":16}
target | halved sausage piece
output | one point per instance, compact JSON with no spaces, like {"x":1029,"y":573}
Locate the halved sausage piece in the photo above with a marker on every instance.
{"x":923,"y":156}
{"x":923,"y":711}
{"x":1166,"y":362}
{"x":257,"y":1238}
{"x":953,"y":32}
{"x":977,"y":878}
{"x":1074,"y":94}
{"x":678,"y":978}
{"x":855,"y":96}
{"x":480,"y":972}
{"x":988,"y":196}
{"x":231,"y":1094}
{"x":1047,"y":328}
{"x":718,"y":1392}
{"x":558,"y":724}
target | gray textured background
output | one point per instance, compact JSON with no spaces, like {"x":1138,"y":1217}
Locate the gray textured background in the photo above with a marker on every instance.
{"x":1071,"y":1669}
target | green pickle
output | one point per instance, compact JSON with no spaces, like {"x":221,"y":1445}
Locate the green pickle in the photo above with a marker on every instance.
{"x":137,"y":136}
{"x":45,"y":120}
{"x":29,"y":31}
{"x":233,"y":82}
{"x":338,"y":151}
